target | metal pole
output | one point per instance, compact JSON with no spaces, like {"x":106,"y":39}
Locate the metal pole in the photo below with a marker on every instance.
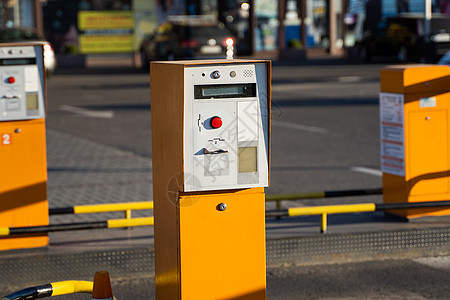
{"x":38,"y":18}
{"x":281,"y":29}
{"x":427,"y":20}
{"x":333,"y":27}
{"x":252,"y":26}
{"x":323,"y":223}
{"x":303,"y":32}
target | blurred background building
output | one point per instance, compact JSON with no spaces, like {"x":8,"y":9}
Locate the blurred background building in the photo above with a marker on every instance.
{"x":118,"y":26}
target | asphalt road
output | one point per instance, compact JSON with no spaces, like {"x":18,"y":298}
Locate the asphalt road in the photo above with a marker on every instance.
{"x":325,"y":132}
{"x":424,"y":278}
{"x":325,"y":136}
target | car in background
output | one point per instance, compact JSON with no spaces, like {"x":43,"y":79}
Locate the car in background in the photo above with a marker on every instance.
{"x":445,"y":60}
{"x":403,"y":37}
{"x":29,"y":35}
{"x":187,"y":38}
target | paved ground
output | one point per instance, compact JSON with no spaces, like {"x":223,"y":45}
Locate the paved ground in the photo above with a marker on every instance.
{"x":417,"y":279}
{"x":82,"y":171}
{"x":85,"y":172}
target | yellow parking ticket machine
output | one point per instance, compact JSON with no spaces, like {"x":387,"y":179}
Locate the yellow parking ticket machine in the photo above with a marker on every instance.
{"x":210,"y":151}
{"x":415,"y":132}
{"x":23,"y":164}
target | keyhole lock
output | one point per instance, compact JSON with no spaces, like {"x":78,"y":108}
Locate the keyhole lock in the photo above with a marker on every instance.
{"x":221,"y":207}
{"x":17,"y":130}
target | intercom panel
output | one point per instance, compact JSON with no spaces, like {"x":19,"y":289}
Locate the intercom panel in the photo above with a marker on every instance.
{"x":22,"y":83}
{"x":226,"y":128}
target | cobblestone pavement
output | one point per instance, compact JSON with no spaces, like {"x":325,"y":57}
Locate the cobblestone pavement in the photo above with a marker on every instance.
{"x":84,"y":172}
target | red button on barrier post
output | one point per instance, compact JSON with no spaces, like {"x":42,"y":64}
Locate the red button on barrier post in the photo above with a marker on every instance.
{"x":216,"y":122}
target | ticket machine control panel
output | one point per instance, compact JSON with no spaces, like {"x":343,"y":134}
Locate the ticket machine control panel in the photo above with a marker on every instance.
{"x":22,"y":83}
{"x":226,"y":139}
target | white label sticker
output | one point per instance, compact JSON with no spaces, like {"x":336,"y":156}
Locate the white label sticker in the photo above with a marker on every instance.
{"x":392,"y":134}
{"x":427,"y":102}
{"x":247,"y":121}
{"x":31,"y":79}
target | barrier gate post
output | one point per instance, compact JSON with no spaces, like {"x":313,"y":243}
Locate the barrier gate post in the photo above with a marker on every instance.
{"x":23,"y":164}
{"x":210,"y":152}
{"x":415,"y":130}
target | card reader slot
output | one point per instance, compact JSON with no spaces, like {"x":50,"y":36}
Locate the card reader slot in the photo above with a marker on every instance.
{"x":218,"y":151}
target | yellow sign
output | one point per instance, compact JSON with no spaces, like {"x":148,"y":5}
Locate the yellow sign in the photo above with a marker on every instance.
{"x":106,"y":31}
{"x":105,"y":20}
{"x":106,"y":43}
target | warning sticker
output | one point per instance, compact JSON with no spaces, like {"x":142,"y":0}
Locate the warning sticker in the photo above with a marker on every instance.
{"x":427,"y":102}
{"x":392,"y":134}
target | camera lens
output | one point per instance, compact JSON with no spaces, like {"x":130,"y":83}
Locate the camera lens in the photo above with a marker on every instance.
{"x":216,"y":74}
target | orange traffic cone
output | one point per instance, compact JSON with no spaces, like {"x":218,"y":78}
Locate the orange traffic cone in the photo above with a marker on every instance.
{"x":102,"y":287}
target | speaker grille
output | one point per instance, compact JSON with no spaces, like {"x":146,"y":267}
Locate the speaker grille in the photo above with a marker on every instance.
{"x":248,"y":73}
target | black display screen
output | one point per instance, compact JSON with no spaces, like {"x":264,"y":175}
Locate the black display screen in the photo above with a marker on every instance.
{"x":17,"y":61}
{"x":217,"y":91}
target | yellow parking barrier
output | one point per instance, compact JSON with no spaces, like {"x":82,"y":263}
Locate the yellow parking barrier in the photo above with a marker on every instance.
{"x":115,"y":223}
{"x":295,"y":196}
{"x":146,"y":221}
{"x":127,"y":207}
{"x":350,"y":208}
{"x":96,"y":208}
{"x":319,"y":195}
{"x":4,"y":231}
{"x":330,"y":209}
{"x":291,"y":212}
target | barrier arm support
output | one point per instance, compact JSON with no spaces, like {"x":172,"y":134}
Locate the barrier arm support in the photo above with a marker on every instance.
{"x":331,"y":209}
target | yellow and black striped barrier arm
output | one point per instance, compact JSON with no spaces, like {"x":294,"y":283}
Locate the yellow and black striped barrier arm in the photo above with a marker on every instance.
{"x":319,"y":195}
{"x":349,"y":208}
{"x":115,"y":223}
{"x":331,"y":209}
{"x":128,"y":206}
{"x":291,"y":212}
{"x":52,"y":289}
{"x":97,"y":208}
{"x":324,"y":194}
{"x":352,"y":208}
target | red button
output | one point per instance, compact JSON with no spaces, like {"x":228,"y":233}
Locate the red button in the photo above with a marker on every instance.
{"x":11,"y":80}
{"x":216,"y":122}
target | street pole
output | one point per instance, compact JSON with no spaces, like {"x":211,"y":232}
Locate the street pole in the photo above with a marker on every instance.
{"x":427,"y":20}
{"x":38,"y":18}
{"x":303,"y":22}
{"x":281,"y":28}
{"x":333,"y":27}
